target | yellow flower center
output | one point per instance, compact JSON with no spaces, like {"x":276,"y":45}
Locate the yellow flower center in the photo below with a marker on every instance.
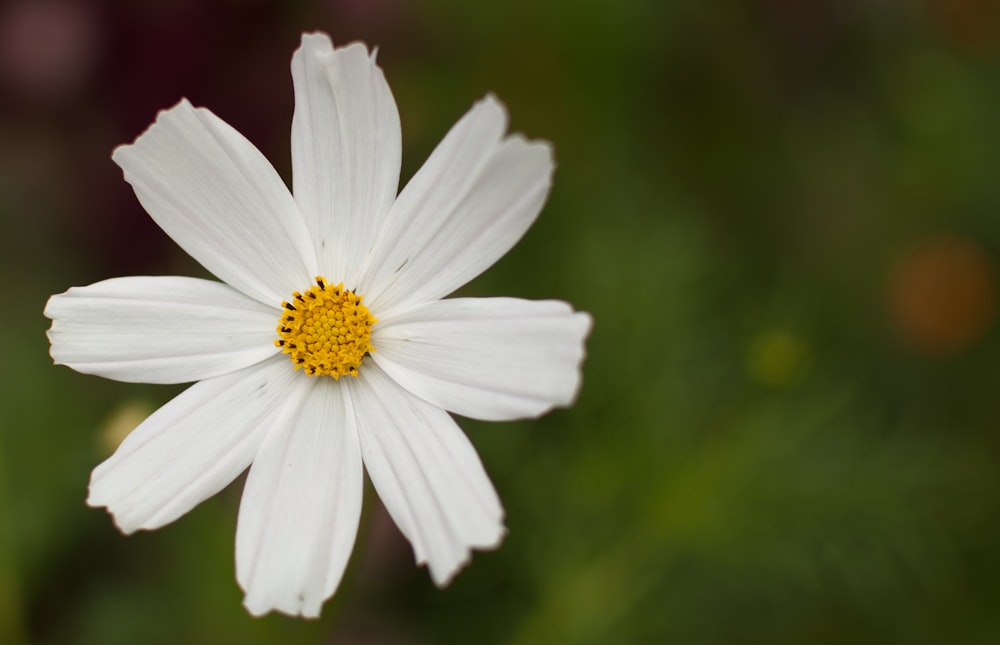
{"x":326,"y":330}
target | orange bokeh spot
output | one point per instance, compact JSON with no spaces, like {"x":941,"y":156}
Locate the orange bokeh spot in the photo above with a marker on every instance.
{"x":941,"y":296}
{"x":973,"y":25}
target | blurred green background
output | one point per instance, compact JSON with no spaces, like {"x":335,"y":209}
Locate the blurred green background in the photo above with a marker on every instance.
{"x":784,"y":217}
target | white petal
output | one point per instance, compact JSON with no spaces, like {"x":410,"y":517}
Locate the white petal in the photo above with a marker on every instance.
{"x":486,"y":358}
{"x":345,"y":151}
{"x":427,"y":473}
{"x":163,"y":329}
{"x":301,"y":504}
{"x":217,"y":196}
{"x":465,"y":208}
{"x":190,"y":448}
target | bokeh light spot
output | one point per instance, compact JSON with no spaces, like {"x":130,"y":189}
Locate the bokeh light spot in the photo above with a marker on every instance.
{"x":777,"y":358}
{"x":48,"y":48}
{"x":941,"y":296}
{"x":122,"y":420}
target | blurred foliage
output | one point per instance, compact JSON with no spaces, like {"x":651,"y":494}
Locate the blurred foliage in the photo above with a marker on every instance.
{"x":784,"y":217}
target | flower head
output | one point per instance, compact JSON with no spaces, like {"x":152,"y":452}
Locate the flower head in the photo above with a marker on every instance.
{"x":327,"y":347}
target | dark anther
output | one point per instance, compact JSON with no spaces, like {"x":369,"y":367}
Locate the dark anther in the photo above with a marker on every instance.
{"x":319,"y":281}
{"x":288,"y":306}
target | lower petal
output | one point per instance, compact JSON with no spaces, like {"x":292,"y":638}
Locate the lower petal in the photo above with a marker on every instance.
{"x":190,"y":448}
{"x":301,"y":504}
{"x":427,"y":473}
{"x":486,"y":358}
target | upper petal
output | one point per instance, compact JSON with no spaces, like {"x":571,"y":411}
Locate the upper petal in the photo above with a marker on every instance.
{"x":345,"y":151}
{"x":163,"y":329}
{"x":301,"y":504}
{"x":465,"y":208}
{"x":427,"y":473}
{"x":486,"y":358}
{"x":190,"y":448}
{"x":217,"y":196}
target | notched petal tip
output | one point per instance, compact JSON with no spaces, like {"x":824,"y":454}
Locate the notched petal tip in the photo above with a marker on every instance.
{"x":53,"y":306}
{"x":100,"y":497}
{"x":584,"y":325}
{"x":259,"y":607}
{"x":491,"y":107}
{"x":540,"y":152}
{"x":491,"y":103}
{"x":320,"y":45}
{"x":443,"y":576}
{"x":125,"y":528}
{"x":122,"y":150}
{"x":587,"y":322}
{"x":317,"y":37}
{"x":52,"y":334}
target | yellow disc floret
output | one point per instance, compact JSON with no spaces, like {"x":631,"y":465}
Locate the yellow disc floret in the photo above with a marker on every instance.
{"x":326,"y":330}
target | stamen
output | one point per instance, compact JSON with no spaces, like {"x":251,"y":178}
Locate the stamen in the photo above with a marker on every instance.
{"x":329,"y":334}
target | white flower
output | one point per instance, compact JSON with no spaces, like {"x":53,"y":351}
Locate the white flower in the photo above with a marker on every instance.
{"x":383,"y":358}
